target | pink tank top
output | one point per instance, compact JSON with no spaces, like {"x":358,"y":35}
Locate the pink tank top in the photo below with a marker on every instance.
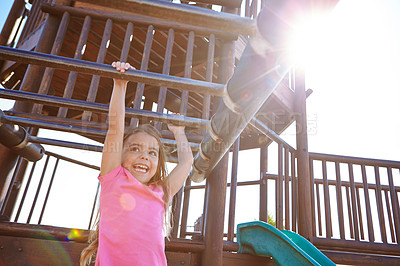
{"x":131,"y":221}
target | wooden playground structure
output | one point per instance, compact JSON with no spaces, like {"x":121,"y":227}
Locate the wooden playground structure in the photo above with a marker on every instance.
{"x":223,"y":72}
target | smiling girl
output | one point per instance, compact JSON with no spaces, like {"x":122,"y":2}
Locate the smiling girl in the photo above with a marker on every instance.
{"x":135,"y":189}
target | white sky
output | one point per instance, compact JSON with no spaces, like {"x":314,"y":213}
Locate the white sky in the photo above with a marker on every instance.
{"x":354,"y":68}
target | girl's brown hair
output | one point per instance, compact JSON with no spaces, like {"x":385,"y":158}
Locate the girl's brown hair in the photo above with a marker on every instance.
{"x":158,"y":179}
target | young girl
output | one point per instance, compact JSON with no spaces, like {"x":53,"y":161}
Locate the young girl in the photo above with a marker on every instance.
{"x":135,"y":191}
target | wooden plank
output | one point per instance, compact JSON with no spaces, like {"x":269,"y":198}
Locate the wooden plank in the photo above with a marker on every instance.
{"x":28,"y":251}
{"x":361,"y":259}
{"x":238,"y":259}
{"x":179,"y":259}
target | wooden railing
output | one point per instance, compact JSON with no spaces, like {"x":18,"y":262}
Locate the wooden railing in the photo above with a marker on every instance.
{"x":356,"y":201}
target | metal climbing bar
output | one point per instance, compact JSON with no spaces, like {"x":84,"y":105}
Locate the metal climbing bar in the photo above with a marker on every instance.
{"x":93,"y":68}
{"x":102,"y":108}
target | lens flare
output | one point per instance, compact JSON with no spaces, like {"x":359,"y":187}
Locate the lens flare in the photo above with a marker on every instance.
{"x":73,"y":235}
{"x":127,"y":202}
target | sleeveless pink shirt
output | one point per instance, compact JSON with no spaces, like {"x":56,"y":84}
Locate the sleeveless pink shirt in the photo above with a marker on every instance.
{"x":131,"y":221}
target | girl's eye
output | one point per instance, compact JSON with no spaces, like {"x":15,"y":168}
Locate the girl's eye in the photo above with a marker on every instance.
{"x":135,"y":149}
{"x":153,"y":153}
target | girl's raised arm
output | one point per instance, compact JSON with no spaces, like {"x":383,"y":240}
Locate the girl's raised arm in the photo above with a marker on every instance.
{"x":177,"y":177}
{"x":113,"y":144}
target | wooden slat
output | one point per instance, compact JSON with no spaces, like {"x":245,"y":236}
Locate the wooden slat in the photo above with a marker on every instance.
{"x":313,"y":204}
{"x":370,"y":225}
{"x":353,"y":202}
{"x":339,"y":200}
{"x":206,"y":105}
{"x":395,"y":204}
{"x":185,"y":208}
{"x":389,"y":214}
{"x":295,"y":201}
{"x":127,"y":42}
{"x":327,"y":201}
{"x":360,"y":218}
{"x":287,"y":196}
{"x":69,"y":88}
{"x":166,"y":68}
{"x":349,"y":212}
{"x":48,"y":73}
{"x":232,"y":197}
{"x":263,"y":214}
{"x":318,"y":210}
{"x":279,"y":190}
{"x":188,"y":73}
{"x":94,"y":84}
{"x":176,"y":207}
{"x":378,"y":195}
{"x":143,"y":66}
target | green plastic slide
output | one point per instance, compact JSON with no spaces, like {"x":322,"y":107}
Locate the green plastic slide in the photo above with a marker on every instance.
{"x":285,"y":247}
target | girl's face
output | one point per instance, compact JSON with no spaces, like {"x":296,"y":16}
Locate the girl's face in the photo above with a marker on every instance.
{"x":140,"y":156}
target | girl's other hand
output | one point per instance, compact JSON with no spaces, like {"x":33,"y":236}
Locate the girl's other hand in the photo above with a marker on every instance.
{"x":121,"y":67}
{"x":175,"y":128}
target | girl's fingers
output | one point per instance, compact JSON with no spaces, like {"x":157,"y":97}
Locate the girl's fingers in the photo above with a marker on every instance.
{"x":122,"y":66}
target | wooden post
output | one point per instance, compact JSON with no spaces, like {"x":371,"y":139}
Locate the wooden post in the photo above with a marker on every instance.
{"x":214,"y":211}
{"x":215,"y":214}
{"x":303,"y":166}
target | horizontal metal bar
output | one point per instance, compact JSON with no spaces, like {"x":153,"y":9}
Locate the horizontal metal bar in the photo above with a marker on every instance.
{"x":61,"y":157}
{"x":72,"y":129}
{"x":90,"y":147}
{"x":66,"y":144}
{"x":27,"y":122}
{"x":93,"y":68}
{"x":102,"y":108}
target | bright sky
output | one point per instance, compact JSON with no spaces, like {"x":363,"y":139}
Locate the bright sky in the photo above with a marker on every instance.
{"x":354,"y":66}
